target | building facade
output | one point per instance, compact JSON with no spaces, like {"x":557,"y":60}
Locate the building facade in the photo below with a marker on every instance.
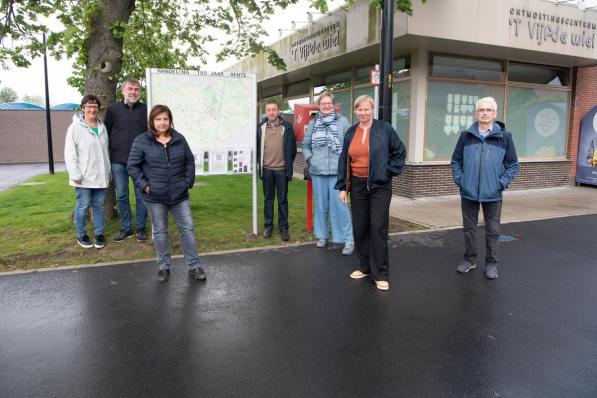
{"x":534,"y":57}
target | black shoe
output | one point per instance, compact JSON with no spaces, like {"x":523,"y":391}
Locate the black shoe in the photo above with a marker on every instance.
{"x":267,"y":233}
{"x":198,"y":274}
{"x":163,"y":275}
{"x":122,"y":235}
{"x":284,"y":235}
{"x":84,"y":241}
{"x":100,"y":241}
{"x":141,"y":236}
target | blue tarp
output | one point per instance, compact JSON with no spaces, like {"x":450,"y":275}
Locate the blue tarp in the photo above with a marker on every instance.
{"x":20,"y":106}
{"x":67,"y":106}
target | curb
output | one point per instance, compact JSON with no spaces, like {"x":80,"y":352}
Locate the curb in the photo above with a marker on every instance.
{"x":254,"y":249}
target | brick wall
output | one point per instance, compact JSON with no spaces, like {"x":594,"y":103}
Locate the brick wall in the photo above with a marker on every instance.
{"x":583,"y":99}
{"x":436,"y":180}
{"x":24,"y":135}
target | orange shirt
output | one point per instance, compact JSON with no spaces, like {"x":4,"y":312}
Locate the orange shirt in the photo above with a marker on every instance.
{"x":358,"y":153}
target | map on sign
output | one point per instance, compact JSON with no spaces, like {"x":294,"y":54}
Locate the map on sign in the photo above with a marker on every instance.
{"x":215,"y":111}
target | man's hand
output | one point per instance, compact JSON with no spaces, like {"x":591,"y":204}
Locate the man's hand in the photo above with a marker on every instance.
{"x":146,"y":189}
{"x":343,"y":197}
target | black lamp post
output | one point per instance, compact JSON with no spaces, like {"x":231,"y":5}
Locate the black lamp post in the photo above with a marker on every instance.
{"x":48,"y":121}
{"x":386,"y":58}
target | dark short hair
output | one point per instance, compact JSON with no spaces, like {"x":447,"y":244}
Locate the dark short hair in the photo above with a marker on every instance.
{"x":90,"y":98}
{"x":156,"y":110}
{"x":271,"y":102}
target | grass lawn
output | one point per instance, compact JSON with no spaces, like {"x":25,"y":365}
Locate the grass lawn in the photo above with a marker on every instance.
{"x":36,"y":228}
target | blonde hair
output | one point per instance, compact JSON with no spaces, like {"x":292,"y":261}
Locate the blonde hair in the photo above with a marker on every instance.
{"x":362,"y":98}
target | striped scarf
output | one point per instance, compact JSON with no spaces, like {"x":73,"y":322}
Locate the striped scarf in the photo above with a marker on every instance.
{"x":325,"y":133}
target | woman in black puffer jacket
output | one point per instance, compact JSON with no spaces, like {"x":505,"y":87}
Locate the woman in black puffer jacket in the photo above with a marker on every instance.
{"x":162,"y":167}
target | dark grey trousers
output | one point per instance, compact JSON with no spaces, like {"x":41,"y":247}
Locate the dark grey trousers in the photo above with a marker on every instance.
{"x":492,"y":212}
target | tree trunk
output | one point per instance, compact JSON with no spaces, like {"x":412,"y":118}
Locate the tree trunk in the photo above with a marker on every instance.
{"x":104,"y":62}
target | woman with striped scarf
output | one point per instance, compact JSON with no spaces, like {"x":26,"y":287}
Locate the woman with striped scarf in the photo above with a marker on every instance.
{"x":321,"y":149}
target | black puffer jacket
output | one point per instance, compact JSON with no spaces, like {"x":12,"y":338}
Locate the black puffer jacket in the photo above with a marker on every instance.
{"x":170,"y":173}
{"x":386,"y":156}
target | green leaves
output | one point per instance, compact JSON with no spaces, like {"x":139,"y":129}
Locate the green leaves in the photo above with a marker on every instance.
{"x":159,"y":33}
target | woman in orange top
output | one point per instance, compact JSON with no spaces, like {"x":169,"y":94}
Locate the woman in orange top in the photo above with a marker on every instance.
{"x":371,"y":156}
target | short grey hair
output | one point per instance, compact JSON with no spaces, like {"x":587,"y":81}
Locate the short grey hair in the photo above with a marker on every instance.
{"x":132,"y":82}
{"x":486,"y":100}
{"x":325,"y":94}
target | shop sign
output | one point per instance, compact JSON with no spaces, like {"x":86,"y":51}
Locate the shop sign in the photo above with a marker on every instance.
{"x":545,"y":28}
{"x":375,"y":77}
{"x":316,"y":42}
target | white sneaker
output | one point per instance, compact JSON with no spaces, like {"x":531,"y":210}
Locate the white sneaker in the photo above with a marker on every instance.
{"x":321,"y":243}
{"x":348,"y":248}
{"x":382,"y":285}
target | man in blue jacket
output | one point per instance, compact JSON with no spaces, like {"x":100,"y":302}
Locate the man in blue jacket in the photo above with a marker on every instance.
{"x":276,"y":150}
{"x":484,"y":163}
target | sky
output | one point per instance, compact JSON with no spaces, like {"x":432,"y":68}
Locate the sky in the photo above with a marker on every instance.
{"x":30,"y":81}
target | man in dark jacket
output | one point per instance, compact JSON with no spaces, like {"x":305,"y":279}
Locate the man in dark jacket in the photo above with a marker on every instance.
{"x":125,"y":120}
{"x":484,"y":163}
{"x":276,"y":150}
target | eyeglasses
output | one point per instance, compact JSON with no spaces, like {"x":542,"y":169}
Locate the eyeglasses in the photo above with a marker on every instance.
{"x":326,"y":103}
{"x":483,"y":110}
{"x":91,"y":106}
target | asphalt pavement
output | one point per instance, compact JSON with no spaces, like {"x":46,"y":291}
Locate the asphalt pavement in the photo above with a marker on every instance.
{"x":289,"y":322}
{"x":14,"y":174}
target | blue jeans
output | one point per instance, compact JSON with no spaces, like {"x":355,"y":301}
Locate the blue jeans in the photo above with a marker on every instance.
{"x":121,"y":184}
{"x":328,"y":206}
{"x":94,"y":198}
{"x":181,"y":213}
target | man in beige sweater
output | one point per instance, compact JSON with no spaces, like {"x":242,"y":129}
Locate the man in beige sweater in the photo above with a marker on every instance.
{"x":276,"y":150}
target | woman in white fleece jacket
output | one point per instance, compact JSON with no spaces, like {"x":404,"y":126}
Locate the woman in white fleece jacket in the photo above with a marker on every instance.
{"x":87,"y":159}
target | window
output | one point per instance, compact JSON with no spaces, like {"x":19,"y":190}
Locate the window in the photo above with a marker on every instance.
{"x":364,"y":75}
{"x":333,"y":82}
{"x":536,"y":74}
{"x":401,"y":109}
{"x":288,"y":104}
{"x":299,"y":88}
{"x":454,"y":67}
{"x":450,"y":110}
{"x":538,"y":120}
{"x":401,"y":67}
{"x":343,"y":99}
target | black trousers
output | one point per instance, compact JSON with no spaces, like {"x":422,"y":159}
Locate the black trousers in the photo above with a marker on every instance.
{"x":275,"y":183}
{"x":492,"y":212}
{"x":370,"y":222}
